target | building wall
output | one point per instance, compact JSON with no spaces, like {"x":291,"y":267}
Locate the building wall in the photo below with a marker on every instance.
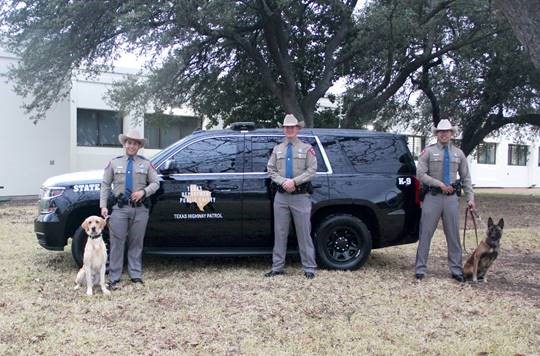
{"x":49,"y":148}
{"x":502,"y":175}
{"x":32,"y":152}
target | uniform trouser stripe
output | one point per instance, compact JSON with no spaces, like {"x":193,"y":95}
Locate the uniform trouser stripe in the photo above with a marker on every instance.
{"x":433,"y":208}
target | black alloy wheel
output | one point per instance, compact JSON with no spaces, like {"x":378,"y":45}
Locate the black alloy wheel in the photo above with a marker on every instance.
{"x":343,"y":242}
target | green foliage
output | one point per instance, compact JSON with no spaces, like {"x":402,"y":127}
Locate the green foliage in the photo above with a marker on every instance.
{"x":458,"y":60}
{"x":272,"y":55}
{"x":259,"y":59}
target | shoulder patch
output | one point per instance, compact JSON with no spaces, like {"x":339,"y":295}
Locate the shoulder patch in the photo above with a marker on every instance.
{"x":312,"y":151}
{"x":427,"y":148}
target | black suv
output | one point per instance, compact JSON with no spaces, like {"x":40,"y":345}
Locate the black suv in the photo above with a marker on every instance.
{"x":215,"y":197}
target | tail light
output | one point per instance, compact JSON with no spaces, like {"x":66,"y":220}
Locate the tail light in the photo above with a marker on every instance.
{"x":417,"y":187}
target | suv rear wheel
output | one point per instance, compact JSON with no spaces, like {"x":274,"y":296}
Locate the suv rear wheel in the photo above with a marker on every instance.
{"x":343,"y":242}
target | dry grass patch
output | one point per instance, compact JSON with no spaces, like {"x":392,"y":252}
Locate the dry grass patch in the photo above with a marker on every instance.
{"x":225,"y":306}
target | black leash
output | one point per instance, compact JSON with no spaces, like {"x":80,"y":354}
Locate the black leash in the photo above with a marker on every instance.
{"x":472,"y":213}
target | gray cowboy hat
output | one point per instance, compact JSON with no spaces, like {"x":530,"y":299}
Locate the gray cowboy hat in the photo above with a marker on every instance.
{"x":290,"y":120}
{"x":444,"y":125}
{"x":134,"y":135}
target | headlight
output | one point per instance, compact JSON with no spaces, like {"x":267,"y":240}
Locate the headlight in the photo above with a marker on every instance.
{"x":50,"y":192}
{"x":46,"y":195}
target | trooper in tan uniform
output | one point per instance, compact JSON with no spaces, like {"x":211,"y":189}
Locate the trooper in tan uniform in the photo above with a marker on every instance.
{"x":291,"y":166}
{"x":133,"y":179}
{"x":438,"y":165}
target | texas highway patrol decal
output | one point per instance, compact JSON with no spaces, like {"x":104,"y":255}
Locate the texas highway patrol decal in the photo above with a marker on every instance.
{"x":201,"y":198}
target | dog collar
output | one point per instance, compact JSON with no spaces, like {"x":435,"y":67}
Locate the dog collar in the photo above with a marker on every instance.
{"x":94,"y":237}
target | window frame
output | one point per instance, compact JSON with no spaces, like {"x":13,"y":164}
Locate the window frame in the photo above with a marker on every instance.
{"x":179,"y":123}
{"x":521,"y":150}
{"x":99,"y":118}
{"x":483,"y":149}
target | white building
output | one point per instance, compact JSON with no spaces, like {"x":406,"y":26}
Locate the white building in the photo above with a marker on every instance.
{"x":81,"y":133}
{"x":499,"y":162}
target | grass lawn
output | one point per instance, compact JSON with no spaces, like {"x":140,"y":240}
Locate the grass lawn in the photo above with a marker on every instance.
{"x":225,"y":306}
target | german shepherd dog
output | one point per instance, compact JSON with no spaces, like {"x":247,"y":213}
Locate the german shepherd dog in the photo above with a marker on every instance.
{"x":483,"y":256}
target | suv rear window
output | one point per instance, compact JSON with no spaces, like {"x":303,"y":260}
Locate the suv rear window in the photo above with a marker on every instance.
{"x":374,"y":154}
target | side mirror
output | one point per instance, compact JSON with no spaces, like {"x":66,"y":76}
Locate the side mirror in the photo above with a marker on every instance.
{"x":169,"y":167}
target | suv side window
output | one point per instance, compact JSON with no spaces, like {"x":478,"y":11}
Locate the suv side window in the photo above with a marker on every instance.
{"x":210,"y":155}
{"x":338,"y":160}
{"x":372,"y":154}
{"x":262,"y":146}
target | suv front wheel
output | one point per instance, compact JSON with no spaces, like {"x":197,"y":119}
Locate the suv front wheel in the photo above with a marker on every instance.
{"x":343,"y":242}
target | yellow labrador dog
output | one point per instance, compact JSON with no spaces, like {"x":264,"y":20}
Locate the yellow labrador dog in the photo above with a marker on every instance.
{"x":95,"y":256}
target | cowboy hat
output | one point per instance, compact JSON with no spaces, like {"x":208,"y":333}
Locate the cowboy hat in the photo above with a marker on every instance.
{"x":444,"y":125}
{"x":132,"y":135}
{"x":290,"y":120}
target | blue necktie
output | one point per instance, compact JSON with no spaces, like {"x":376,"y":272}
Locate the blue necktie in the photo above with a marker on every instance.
{"x":288,"y":163}
{"x":446,"y":166}
{"x":129,"y":177}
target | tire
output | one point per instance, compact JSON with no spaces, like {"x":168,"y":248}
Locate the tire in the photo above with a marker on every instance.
{"x":78,"y":242}
{"x":342,"y":242}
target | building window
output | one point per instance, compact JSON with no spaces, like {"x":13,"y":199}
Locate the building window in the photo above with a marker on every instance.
{"x":517,"y":155}
{"x":163,"y":130}
{"x":416,"y":144}
{"x":486,"y":153}
{"x":98,"y":128}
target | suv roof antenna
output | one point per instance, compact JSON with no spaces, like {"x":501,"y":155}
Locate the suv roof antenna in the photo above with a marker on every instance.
{"x":242,"y":126}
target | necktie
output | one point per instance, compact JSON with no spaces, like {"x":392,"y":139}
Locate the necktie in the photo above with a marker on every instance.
{"x":288,"y":163}
{"x":129,"y":177}
{"x":446,"y":166}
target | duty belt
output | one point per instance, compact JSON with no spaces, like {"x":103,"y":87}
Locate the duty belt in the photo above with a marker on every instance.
{"x":437,"y":190}
{"x":300,"y":189}
{"x":122,"y":201}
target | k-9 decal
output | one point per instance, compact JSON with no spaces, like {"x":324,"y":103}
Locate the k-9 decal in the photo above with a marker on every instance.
{"x":404,"y":181}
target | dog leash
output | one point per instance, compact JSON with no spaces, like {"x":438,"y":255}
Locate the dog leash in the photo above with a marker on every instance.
{"x":472,"y":213}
